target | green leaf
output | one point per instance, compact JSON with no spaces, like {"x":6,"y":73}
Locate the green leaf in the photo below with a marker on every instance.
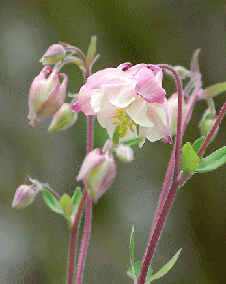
{"x":91,"y":53}
{"x":134,"y":141}
{"x":165,"y":268}
{"x":215,"y":90}
{"x":76,"y":198}
{"x":131,"y":273}
{"x":116,"y":135}
{"x":51,"y":201}
{"x":213,"y":161}
{"x":189,"y":159}
{"x":137,"y":267}
{"x":198,"y":144}
{"x":67,"y":206}
{"x":132,"y":247}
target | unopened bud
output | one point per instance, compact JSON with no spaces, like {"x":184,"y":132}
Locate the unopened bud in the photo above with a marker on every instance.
{"x":207,"y":123}
{"x":124,"y":153}
{"x":97,"y":173}
{"x":64,"y":118}
{"x":46,"y":95}
{"x":23,"y":197}
{"x":54,"y":54}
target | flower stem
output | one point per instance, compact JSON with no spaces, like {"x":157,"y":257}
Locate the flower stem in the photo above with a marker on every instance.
{"x":85,"y":240}
{"x":162,"y":210}
{"x":73,"y":239}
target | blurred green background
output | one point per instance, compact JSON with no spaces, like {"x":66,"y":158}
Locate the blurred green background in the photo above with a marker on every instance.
{"x":34,"y":241}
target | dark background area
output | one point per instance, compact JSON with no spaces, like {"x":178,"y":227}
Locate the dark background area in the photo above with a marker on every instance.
{"x":34,"y":241}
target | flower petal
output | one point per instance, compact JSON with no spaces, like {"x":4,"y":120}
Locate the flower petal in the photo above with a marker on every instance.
{"x":149,"y":88}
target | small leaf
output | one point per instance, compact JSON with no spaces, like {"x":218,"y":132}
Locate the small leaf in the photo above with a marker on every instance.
{"x":165,"y":268}
{"x":198,"y":144}
{"x":116,"y":135}
{"x":76,"y":198}
{"x":67,"y":206}
{"x":91,"y":53}
{"x":189,"y":159}
{"x":215,"y":90}
{"x":51,"y":201}
{"x":137,"y":267}
{"x":132,"y":247}
{"x":213,"y":161}
{"x":134,"y":141}
{"x":131,"y":273}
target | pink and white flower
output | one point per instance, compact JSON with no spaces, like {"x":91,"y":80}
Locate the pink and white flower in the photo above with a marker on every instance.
{"x":128,"y":98}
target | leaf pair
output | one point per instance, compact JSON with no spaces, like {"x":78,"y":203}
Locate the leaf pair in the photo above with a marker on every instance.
{"x":191,"y":162}
{"x":134,"y":271}
{"x":66,"y":206}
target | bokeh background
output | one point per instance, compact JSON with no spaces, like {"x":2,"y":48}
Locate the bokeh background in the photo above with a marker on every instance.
{"x":34,"y":241}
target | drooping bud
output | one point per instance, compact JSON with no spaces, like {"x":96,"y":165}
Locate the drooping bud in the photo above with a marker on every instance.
{"x":207,"y":122}
{"x":97,"y":173}
{"x":124,"y":153}
{"x":64,"y":118}
{"x":23,"y":197}
{"x":46,"y":95}
{"x":54,"y":54}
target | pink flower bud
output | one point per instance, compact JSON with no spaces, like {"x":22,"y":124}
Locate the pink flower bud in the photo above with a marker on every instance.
{"x":124,"y":153}
{"x":23,"y":197}
{"x":97,"y":172}
{"x":46,"y":95}
{"x":54,"y":54}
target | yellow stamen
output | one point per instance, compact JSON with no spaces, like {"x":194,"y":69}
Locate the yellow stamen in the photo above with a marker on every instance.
{"x":124,"y":121}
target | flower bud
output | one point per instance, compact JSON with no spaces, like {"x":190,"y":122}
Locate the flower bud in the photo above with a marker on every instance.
{"x":46,"y":95}
{"x":124,"y":153}
{"x":23,"y":197}
{"x":54,"y":54}
{"x":97,"y":173}
{"x":207,"y":122}
{"x":64,"y":118}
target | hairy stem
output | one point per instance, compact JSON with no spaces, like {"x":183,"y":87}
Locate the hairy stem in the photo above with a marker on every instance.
{"x":163,"y":210}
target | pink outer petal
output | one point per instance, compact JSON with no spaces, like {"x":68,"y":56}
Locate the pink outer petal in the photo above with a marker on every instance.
{"x":124,"y":65}
{"x":149,"y":88}
{"x":133,"y":71}
{"x":102,"y":77}
{"x":92,"y":160}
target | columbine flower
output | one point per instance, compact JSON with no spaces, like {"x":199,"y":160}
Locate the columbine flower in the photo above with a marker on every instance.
{"x":54,"y":54}
{"x":46,"y":95}
{"x":129,"y":98}
{"x":97,"y":172}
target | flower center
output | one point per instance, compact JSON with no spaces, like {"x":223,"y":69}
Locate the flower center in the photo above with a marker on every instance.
{"x":124,"y":121}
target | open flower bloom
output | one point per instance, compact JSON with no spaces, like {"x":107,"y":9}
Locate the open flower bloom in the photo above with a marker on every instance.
{"x":129,"y":98}
{"x":97,"y":172}
{"x":46,"y":95}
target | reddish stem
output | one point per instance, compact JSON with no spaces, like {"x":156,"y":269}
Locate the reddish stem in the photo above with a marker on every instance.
{"x":161,"y":213}
{"x":73,"y":239}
